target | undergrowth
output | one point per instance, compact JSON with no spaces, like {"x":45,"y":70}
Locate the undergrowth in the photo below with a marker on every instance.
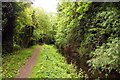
{"x":51,"y":64}
{"x":11,"y":63}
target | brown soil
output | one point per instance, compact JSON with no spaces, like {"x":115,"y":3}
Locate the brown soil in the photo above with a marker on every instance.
{"x":80,"y":61}
{"x":26,"y":69}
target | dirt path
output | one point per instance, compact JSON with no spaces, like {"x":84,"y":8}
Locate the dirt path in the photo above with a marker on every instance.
{"x":26,"y":69}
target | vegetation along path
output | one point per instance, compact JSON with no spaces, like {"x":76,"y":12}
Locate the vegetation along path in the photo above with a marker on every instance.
{"x":79,"y":40}
{"x":26,"y":69}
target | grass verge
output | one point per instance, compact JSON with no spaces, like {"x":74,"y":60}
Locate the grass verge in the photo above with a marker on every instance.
{"x":11,"y":63}
{"x":51,"y":64}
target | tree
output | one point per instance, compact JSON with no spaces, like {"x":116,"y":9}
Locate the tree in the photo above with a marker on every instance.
{"x":10,"y":12}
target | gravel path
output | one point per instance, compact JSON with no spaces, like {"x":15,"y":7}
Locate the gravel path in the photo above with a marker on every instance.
{"x":26,"y":69}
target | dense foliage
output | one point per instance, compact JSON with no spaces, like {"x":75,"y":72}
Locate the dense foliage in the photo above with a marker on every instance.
{"x":24,"y":26}
{"x":85,"y":33}
{"x":69,"y":15}
{"x":106,"y":56}
{"x":90,"y":29}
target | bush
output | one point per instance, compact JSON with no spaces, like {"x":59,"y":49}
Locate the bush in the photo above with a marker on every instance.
{"x":106,"y":56}
{"x":16,"y":47}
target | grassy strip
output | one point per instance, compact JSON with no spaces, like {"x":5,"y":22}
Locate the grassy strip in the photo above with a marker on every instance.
{"x":51,"y":64}
{"x":12,"y":63}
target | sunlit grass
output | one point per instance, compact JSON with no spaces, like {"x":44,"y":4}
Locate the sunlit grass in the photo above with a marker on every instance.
{"x":12,"y":63}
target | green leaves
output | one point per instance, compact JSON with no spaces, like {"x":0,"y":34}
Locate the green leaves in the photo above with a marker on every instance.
{"x":38,"y":19}
{"x":51,"y":64}
{"x":13,"y":62}
{"x":106,"y":56}
{"x":44,"y":27}
{"x":92,"y":30}
{"x":68,"y":19}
